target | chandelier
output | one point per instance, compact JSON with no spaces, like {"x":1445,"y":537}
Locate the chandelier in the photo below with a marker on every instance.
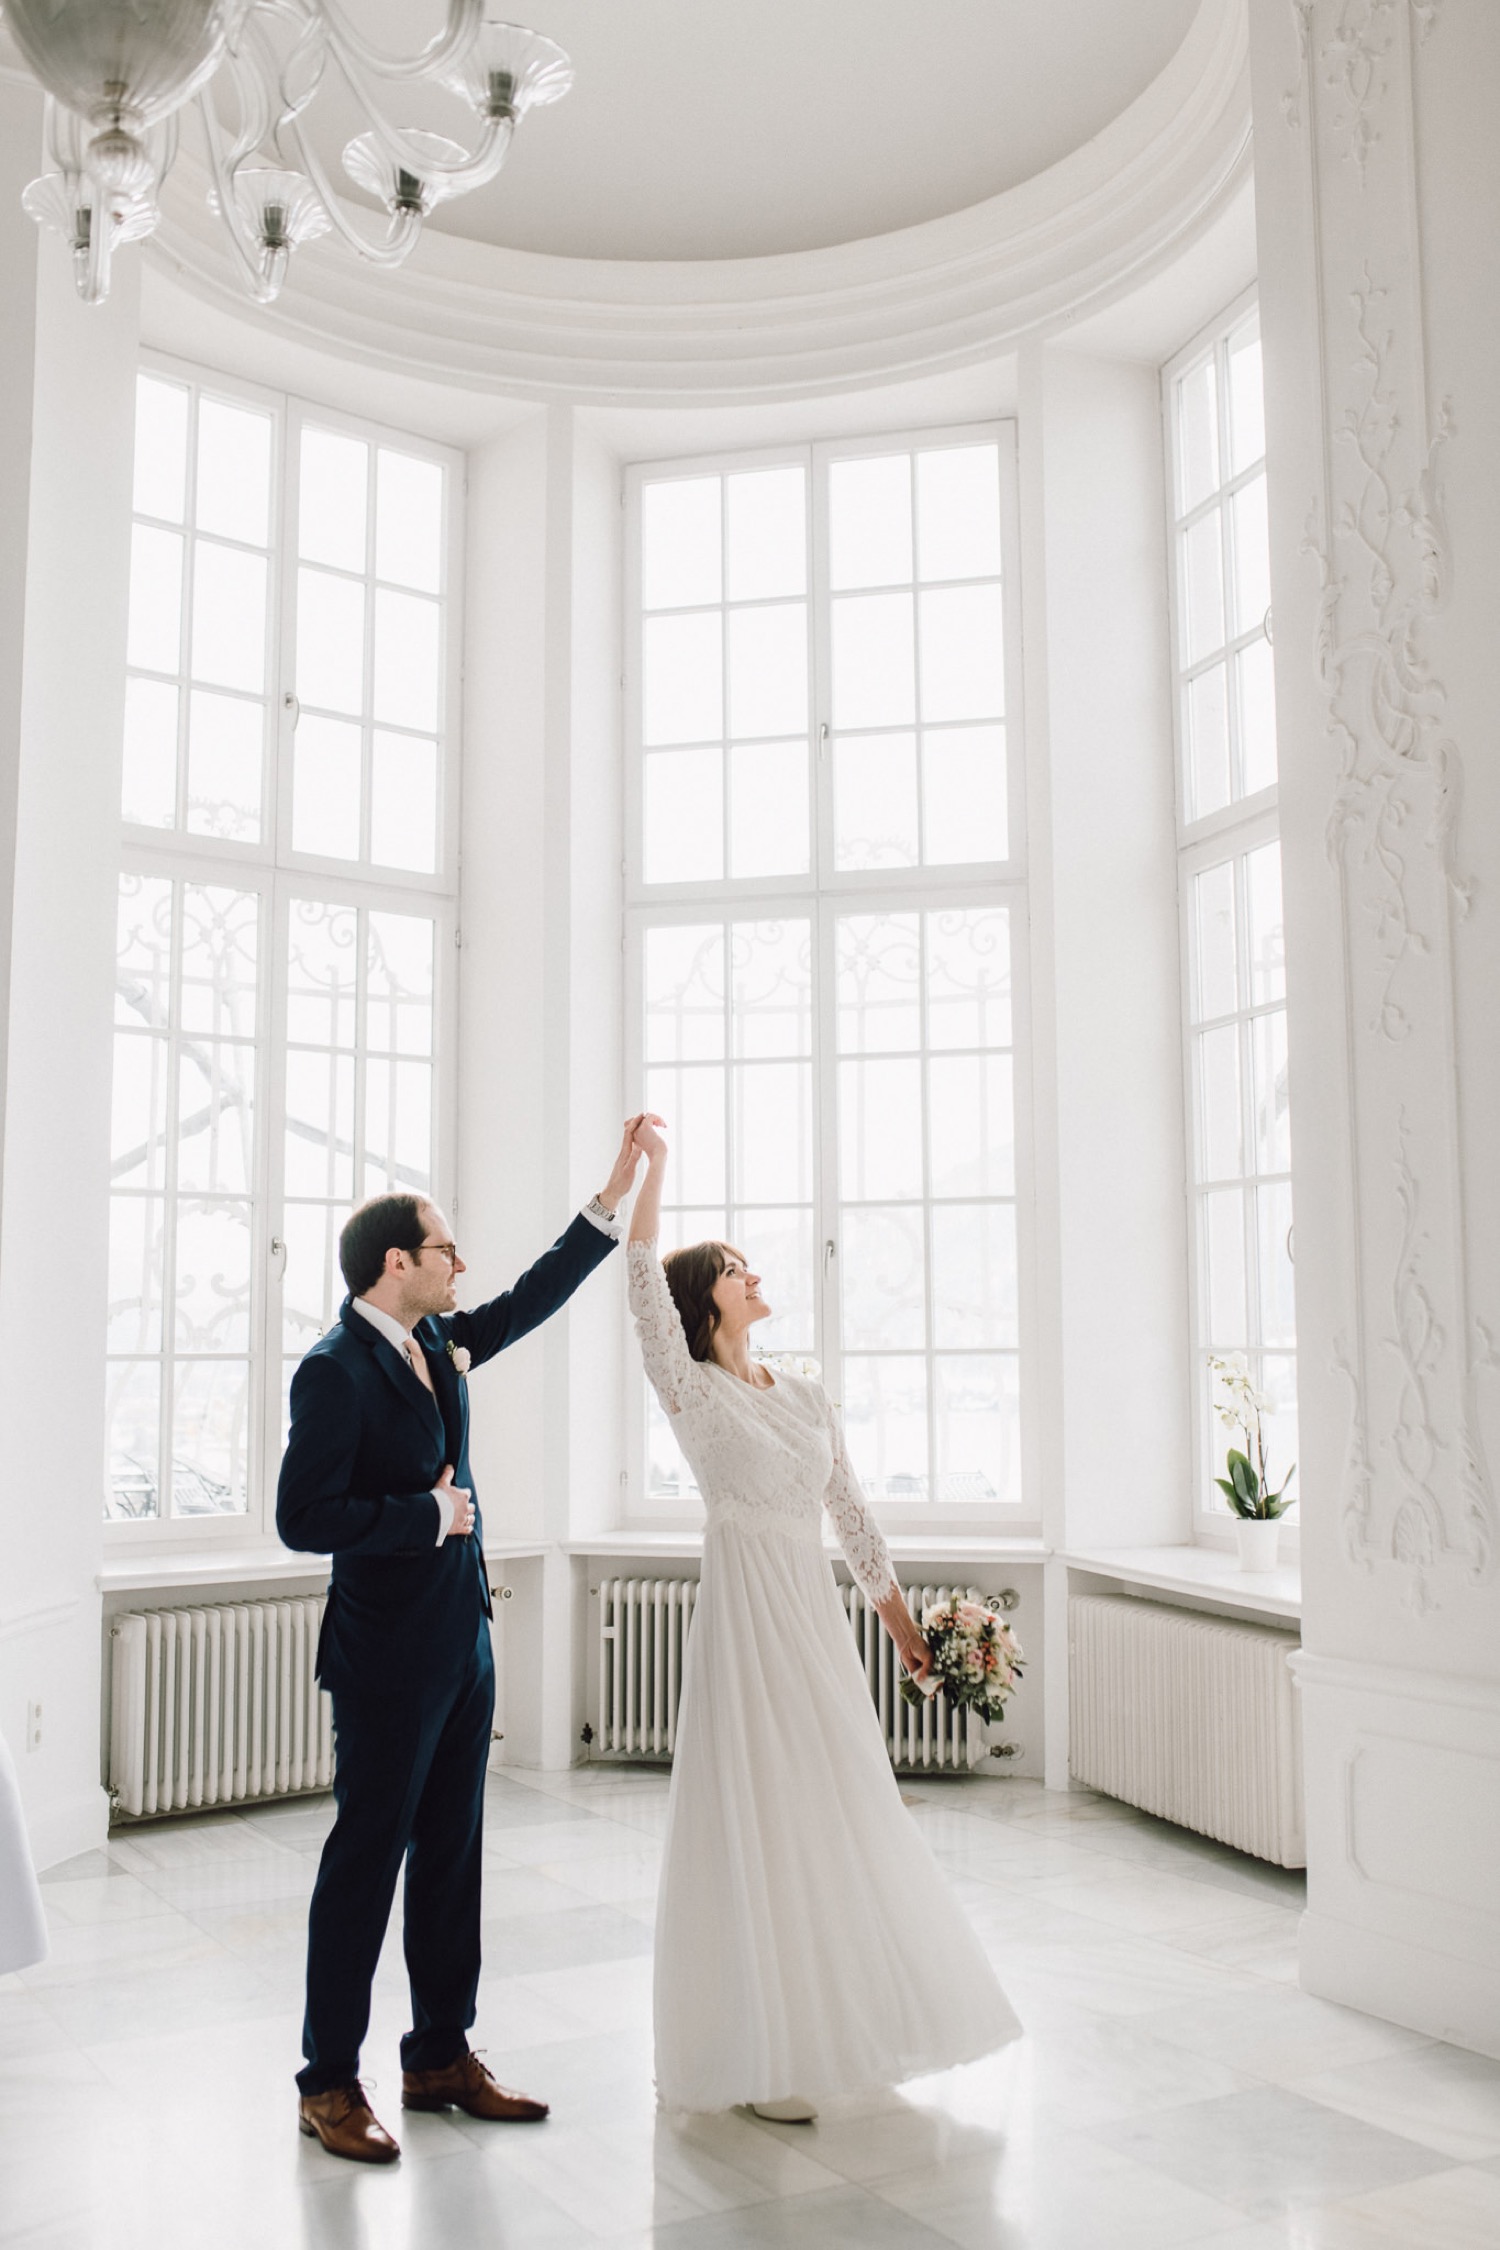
{"x":119,"y":75}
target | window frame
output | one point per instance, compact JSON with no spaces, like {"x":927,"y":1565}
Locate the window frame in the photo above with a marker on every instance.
{"x":282,"y":876}
{"x":822,"y":895}
{"x":1226,"y":834}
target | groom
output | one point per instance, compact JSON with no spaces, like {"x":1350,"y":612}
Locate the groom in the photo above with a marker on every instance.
{"x":377,"y":1475}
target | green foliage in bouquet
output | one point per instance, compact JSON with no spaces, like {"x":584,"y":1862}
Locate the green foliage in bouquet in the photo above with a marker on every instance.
{"x":975,"y":1655}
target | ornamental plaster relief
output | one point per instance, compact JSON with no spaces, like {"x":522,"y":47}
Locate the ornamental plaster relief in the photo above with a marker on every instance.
{"x":1418,"y":1498}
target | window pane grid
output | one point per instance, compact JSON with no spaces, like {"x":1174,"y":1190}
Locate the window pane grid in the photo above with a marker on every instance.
{"x":1239,"y":1145}
{"x":201,"y":603}
{"x":911,"y":1379}
{"x":359,"y":996}
{"x":369,"y":720}
{"x":729,"y":1061}
{"x":239,"y":1151}
{"x":904,"y":650}
{"x":725,"y":709}
{"x":1221,"y":623}
{"x":182,"y":1302}
{"x":1242,"y":1171}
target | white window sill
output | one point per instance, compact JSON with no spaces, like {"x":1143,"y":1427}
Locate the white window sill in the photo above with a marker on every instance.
{"x":1209,"y":1572}
{"x":905,"y":1546}
{"x":165,"y":1572}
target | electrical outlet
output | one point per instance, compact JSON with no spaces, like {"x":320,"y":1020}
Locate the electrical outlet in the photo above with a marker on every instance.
{"x":33,"y":1726}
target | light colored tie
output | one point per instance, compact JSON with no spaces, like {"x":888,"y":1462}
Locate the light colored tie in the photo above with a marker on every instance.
{"x":418,"y":1358}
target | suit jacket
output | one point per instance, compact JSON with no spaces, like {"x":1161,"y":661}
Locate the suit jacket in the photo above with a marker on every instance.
{"x":367,"y":1444}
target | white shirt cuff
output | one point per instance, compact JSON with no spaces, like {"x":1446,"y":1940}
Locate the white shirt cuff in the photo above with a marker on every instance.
{"x":597,"y":1216}
{"x":445,"y":1513}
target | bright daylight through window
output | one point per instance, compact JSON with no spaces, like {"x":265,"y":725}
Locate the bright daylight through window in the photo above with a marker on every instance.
{"x":828,"y":905}
{"x":285,"y":912}
{"x":1239,"y":1127}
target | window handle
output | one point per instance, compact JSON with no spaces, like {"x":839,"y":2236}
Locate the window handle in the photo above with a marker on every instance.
{"x":823,"y":738}
{"x":830,"y":1252}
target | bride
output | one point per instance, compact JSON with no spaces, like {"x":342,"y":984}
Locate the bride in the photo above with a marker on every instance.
{"x":807,"y":1943}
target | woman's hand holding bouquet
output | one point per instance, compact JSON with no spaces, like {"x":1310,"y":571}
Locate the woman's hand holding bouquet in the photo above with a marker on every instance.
{"x":976,"y":1659}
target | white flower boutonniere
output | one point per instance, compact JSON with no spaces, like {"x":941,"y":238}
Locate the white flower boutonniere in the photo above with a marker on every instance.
{"x":458,"y":1353}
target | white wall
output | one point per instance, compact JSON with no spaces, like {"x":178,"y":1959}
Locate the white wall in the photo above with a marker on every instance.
{"x":66,"y":443}
{"x":1378,"y":185}
{"x":1109,"y":1119}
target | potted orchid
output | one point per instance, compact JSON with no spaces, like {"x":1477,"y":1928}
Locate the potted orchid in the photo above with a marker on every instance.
{"x":1256,"y":1508}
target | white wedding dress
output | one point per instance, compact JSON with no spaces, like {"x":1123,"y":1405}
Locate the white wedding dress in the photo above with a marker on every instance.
{"x":807,"y":1942}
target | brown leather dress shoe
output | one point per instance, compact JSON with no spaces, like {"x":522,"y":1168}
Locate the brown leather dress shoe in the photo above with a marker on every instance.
{"x":346,"y":2125}
{"x":466,"y":2084}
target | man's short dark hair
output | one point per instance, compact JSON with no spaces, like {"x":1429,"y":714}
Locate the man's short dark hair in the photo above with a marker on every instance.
{"x":386,"y":1222}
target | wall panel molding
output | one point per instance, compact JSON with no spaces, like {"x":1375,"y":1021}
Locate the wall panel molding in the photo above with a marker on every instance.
{"x":1417,"y":1499}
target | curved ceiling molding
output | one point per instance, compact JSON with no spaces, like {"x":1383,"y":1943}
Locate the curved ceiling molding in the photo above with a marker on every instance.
{"x":928,"y":297}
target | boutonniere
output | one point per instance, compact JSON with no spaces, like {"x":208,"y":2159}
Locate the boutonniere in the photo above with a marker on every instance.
{"x":459,"y":1355}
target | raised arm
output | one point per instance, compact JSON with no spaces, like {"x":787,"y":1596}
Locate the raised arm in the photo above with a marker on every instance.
{"x":868,"y":1557}
{"x":547,"y":1285}
{"x":674,"y":1374}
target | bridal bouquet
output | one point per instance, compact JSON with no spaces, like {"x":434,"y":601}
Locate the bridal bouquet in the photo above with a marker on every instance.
{"x":976,"y":1659}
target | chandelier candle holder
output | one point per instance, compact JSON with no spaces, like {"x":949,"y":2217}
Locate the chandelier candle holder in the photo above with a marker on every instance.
{"x":119,"y":74}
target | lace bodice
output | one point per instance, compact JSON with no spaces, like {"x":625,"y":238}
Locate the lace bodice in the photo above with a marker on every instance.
{"x":765,"y":1460}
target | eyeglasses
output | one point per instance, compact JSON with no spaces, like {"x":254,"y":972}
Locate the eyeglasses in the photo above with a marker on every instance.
{"x":449,"y":1250}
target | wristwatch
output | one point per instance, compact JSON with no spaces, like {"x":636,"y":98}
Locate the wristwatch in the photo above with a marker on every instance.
{"x":596,"y":1208}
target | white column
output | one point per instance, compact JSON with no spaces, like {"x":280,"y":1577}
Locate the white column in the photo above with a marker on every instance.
{"x":1108,"y":1110}
{"x":540,"y":1099}
{"x":1378,"y":203}
{"x":65,"y":470}
{"x":1103,"y":852}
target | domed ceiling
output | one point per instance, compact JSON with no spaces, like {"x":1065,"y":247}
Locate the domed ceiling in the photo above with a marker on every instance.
{"x":704,"y":129}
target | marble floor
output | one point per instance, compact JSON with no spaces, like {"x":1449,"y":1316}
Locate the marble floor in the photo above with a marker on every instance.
{"x":1174,"y":2087}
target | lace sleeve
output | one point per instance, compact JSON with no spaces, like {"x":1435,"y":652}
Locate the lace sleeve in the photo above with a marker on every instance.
{"x":865,"y":1550}
{"x":674,"y":1374}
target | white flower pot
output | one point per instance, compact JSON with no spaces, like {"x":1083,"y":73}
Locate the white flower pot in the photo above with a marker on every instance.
{"x":1257,"y":1538}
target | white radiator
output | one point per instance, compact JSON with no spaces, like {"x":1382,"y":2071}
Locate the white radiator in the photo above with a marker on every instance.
{"x":643,"y":1630}
{"x":1192,"y":1717}
{"x":217,"y":1706}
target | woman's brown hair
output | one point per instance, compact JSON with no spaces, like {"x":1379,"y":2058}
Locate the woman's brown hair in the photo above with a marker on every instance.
{"x":691,"y":1274}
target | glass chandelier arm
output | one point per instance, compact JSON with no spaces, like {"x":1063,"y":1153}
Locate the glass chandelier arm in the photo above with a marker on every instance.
{"x":443,"y":52}
{"x":250,"y":67}
{"x":472,"y":170}
{"x":91,"y":266}
{"x":246,"y":253}
{"x":404,"y":227}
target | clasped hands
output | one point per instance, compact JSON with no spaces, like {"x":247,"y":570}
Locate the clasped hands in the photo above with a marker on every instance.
{"x":633,"y":1146}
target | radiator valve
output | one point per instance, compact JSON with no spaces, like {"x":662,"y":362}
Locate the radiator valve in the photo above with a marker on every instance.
{"x":1005,"y":1749}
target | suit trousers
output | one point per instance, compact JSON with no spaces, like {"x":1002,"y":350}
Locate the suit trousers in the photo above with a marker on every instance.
{"x":409,"y":1767}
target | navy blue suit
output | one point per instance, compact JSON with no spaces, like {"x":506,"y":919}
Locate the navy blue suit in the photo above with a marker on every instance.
{"x":405,"y":1654}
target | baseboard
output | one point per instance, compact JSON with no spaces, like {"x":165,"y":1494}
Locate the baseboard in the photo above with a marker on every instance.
{"x":1436,"y":1993}
{"x":79,"y":1824}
